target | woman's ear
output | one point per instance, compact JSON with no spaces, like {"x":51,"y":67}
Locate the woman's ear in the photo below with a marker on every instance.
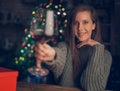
{"x":94,"y":25}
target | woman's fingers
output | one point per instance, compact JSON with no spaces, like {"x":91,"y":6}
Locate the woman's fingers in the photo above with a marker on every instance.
{"x":40,"y":55}
{"x":44,"y":52}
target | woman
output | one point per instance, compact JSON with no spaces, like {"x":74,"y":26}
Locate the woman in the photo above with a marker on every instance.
{"x":82,"y":61}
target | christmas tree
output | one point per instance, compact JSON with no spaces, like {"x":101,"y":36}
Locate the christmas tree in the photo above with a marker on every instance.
{"x":25,"y":53}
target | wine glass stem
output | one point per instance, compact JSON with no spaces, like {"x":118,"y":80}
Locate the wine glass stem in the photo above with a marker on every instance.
{"x":38,"y":63}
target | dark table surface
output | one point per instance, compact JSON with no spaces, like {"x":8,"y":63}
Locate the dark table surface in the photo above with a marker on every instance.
{"x":23,"y":86}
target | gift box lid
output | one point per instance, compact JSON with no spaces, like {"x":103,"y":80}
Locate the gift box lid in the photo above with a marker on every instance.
{"x":6,"y":72}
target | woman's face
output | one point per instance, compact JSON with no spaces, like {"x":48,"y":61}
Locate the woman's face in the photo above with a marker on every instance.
{"x":83,"y":26}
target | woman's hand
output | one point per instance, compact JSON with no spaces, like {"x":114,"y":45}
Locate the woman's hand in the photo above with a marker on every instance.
{"x":90,"y":42}
{"x":44,"y":52}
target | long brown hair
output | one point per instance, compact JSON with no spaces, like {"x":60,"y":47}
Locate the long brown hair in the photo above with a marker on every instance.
{"x":71,"y":39}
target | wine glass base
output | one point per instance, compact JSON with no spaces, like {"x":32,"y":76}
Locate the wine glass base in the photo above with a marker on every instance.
{"x":37,"y":75}
{"x":38,"y":71}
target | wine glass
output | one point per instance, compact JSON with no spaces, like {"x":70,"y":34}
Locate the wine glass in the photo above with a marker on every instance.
{"x":43,"y":28}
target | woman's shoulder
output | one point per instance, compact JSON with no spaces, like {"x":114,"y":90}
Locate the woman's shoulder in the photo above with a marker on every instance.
{"x":99,"y":46}
{"x":106,"y":52}
{"x":108,"y":56}
{"x":62,"y":44}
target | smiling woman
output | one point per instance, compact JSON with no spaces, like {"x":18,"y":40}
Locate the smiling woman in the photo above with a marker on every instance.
{"x":82,"y":61}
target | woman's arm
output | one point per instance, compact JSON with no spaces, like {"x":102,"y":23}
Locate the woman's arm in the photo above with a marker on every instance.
{"x":57,"y":65}
{"x":95,"y":76}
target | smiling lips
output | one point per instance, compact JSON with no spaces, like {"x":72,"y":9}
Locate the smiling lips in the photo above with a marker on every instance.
{"x":81,"y":33}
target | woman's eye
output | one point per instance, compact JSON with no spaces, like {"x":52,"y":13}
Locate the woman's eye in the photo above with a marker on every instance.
{"x":75,"y":23}
{"x":85,"y":22}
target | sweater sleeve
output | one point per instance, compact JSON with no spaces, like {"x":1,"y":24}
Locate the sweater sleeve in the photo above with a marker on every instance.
{"x":57,"y":65}
{"x":94,"y":77}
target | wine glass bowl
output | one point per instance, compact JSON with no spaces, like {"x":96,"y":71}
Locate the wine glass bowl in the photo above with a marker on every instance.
{"x":44,"y":24}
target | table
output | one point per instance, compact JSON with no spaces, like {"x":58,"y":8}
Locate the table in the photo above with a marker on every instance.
{"x":24,"y":86}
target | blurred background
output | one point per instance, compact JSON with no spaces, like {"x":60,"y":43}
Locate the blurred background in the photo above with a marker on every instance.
{"x":15,"y":14}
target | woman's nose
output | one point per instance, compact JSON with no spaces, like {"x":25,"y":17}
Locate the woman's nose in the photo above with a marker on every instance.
{"x":80,"y":27}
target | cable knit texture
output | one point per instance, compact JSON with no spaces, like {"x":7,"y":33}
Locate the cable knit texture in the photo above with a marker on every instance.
{"x":95,"y":74}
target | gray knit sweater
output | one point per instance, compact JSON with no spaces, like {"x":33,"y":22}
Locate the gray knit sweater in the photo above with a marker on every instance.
{"x":94,"y":76}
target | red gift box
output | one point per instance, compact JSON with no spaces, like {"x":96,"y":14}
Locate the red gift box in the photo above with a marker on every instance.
{"x":8,"y":79}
